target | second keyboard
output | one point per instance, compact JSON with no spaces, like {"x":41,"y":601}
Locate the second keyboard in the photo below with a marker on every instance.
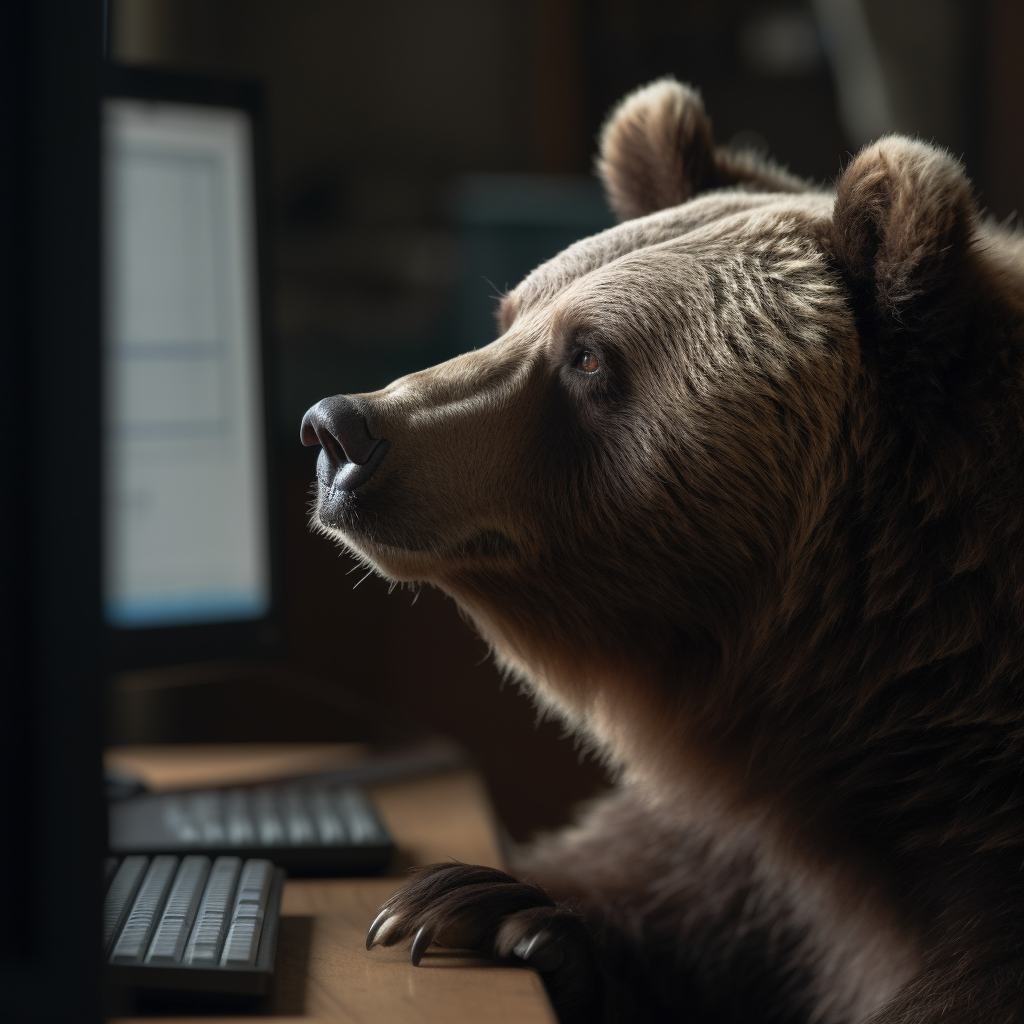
{"x":310,"y":827}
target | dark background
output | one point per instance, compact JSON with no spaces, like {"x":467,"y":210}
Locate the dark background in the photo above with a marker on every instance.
{"x":426,"y":155}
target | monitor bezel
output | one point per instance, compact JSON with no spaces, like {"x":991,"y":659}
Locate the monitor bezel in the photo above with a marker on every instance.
{"x":129,"y":649}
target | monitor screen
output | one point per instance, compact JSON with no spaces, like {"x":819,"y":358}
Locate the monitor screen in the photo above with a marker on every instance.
{"x":186,"y":531}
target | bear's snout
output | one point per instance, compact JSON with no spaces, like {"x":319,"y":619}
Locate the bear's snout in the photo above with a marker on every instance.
{"x":350,"y":453}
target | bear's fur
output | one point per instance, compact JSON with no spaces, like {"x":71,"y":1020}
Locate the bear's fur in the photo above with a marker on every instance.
{"x":739,"y":494}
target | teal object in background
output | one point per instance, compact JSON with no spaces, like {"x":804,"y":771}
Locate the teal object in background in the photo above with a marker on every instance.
{"x":494,"y":229}
{"x":508,"y":224}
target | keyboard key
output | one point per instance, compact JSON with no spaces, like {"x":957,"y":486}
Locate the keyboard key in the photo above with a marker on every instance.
{"x":176,"y":922}
{"x":121,"y":895}
{"x":299,"y":824}
{"x":208,"y":933}
{"x":268,"y":821}
{"x":206,"y":812}
{"x":329,"y":822}
{"x":134,"y":937}
{"x":238,"y":818}
{"x":248,"y":913}
{"x":178,"y":822}
{"x":362,"y":824}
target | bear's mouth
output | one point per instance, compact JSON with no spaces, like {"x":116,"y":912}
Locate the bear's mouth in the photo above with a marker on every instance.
{"x":346,"y":476}
{"x":374,"y":522}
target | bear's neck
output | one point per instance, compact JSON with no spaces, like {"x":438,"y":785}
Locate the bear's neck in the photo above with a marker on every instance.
{"x":846,"y":700}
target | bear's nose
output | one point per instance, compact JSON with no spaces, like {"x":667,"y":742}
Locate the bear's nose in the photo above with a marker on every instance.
{"x":350,"y":452}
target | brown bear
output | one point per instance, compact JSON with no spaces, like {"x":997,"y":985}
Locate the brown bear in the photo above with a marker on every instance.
{"x":739,"y":494}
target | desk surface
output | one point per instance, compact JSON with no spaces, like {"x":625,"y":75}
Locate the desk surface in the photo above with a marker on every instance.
{"x":323,"y":971}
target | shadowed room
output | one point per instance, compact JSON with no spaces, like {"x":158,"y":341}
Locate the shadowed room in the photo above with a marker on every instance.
{"x":388,"y":175}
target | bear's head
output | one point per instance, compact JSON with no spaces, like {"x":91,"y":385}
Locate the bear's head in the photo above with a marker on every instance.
{"x":703,"y":440}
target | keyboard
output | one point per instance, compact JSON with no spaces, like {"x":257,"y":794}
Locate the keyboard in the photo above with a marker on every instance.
{"x":191,"y":923}
{"x":313,"y":826}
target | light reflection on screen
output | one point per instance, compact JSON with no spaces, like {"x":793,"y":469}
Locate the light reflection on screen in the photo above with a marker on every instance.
{"x":185,"y":523}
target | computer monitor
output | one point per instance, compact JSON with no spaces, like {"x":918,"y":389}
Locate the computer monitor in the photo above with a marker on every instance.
{"x":190,"y":567}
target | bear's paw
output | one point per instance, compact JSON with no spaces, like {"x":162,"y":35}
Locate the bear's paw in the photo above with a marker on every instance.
{"x":464,"y":906}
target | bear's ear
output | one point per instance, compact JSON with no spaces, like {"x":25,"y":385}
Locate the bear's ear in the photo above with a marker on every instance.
{"x":657,"y":151}
{"x":901,"y":235}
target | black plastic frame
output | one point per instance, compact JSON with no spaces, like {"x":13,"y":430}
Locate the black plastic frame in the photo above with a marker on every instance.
{"x":129,"y":649}
{"x":51,"y":801}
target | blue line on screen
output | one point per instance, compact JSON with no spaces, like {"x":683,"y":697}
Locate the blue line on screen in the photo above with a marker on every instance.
{"x":184,"y":609}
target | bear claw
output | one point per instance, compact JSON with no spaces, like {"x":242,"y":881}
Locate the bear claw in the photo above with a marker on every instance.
{"x":542,"y":951}
{"x":381,"y":925}
{"x":423,"y":939}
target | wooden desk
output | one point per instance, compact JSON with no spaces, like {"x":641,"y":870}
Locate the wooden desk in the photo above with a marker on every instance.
{"x":323,"y":971}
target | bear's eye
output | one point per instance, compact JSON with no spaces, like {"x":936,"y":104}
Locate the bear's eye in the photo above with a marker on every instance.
{"x":587,"y":362}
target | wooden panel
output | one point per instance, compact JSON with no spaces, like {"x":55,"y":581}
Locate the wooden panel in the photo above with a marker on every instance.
{"x":344,"y":982}
{"x":442,"y":817}
{"x":165,"y":766}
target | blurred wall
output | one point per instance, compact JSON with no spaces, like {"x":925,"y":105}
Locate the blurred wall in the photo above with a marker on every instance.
{"x":1000,"y":115}
{"x":381,"y":114}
